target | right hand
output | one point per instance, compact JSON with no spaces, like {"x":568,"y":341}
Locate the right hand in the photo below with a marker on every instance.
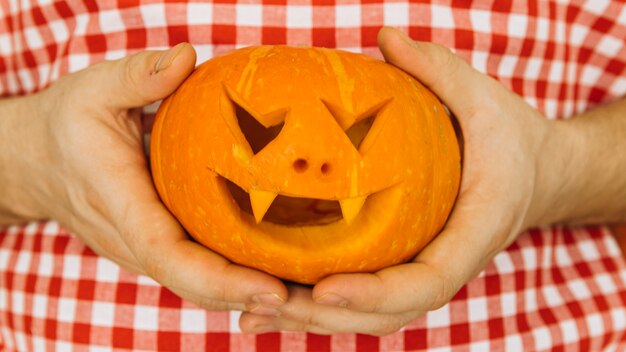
{"x":74,"y":153}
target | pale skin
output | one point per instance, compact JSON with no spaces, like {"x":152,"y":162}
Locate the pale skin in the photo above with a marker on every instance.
{"x":73,"y":153}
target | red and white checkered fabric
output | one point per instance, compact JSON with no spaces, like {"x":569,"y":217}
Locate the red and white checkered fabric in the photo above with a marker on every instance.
{"x":555,"y":288}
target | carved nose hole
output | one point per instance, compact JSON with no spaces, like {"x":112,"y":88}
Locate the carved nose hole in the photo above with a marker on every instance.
{"x":325,"y":168}
{"x":300,"y":165}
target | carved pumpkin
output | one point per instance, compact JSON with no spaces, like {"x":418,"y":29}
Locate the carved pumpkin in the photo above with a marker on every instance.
{"x":304,"y":162}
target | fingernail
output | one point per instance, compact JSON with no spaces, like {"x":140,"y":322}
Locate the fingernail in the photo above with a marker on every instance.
{"x":406,"y":38}
{"x":263,"y":328}
{"x":166,"y":58}
{"x":268,"y":299}
{"x":260,"y":309}
{"x":332,"y":299}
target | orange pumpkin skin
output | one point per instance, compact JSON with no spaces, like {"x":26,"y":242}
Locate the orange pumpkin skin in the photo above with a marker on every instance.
{"x":406,"y":167}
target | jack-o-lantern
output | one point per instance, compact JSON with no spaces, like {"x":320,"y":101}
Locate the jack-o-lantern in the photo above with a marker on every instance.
{"x":304,"y":162}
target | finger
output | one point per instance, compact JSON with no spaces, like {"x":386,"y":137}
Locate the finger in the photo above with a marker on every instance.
{"x":140,"y":79}
{"x":302,"y":314}
{"x":162,"y":248}
{"x":448,"y":76}
{"x":191,"y":270}
{"x":475,"y":232}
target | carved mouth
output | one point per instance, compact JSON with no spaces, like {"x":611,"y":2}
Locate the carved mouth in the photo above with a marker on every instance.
{"x":294,"y":211}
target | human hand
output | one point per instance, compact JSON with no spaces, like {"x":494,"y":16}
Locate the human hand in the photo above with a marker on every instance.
{"x":503,"y":191}
{"x":76,"y":156}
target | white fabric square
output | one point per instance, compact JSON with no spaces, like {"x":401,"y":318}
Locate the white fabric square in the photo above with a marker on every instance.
{"x":479,"y":346}
{"x":619,"y":319}
{"x":249,"y":15}
{"x":503,"y":263}
{"x":51,"y":229}
{"x":33,"y":38}
{"x":78,"y":62}
{"x":562,"y":255}
{"x":543,"y":339}
{"x":569,"y":331}
{"x":507,"y":65}
{"x":103,"y":314}
{"x":543,"y":29}
{"x":20,"y":340}
{"x":146,"y":318}
{"x":17,"y":302}
{"x":513,"y":343}
{"x":559,"y":35}
{"x":595,"y":324}
{"x":299,"y":16}
{"x":557,"y":69}
{"x":609,"y":46}
{"x":530,"y":300}
{"x":396,"y":14}
{"x":199,"y":13}
{"x":44,"y":74}
{"x":40,"y":306}
{"x":115,"y":54}
{"x":39,"y":344}
{"x":66,"y":310}
{"x":442,"y":16}
{"x":596,"y":6}
{"x":477,"y":309}
{"x":234,"y":322}
{"x":153,"y":15}
{"x":517,"y":25}
{"x":622,"y":17}
{"x":480,"y":20}
{"x":605,"y":283}
{"x":618,"y":88}
{"x":63,"y":346}
{"x":45,"y":264}
{"x":509,"y":304}
{"x":193,"y":320}
{"x":111,"y":21}
{"x":479,"y":61}
{"x":107,"y":271}
{"x":578,"y":34}
{"x":590,"y":75}
{"x":71,"y":266}
{"x":26,"y":79}
{"x":347,"y":16}
{"x":533,"y":68}
{"x":588,"y":250}
{"x":579,"y":289}
{"x":529,"y":255}
{"x":439,"y":318}
{"x":552,"y":296}
{"x":23,"y":262}
{"x":551,"y":107}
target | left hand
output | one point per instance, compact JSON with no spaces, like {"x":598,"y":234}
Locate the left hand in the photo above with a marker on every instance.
{"x":508,"y":184}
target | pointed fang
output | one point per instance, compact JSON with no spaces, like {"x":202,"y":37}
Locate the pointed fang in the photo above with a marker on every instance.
{"x":261,"y":201}
{"x":351,"y":207}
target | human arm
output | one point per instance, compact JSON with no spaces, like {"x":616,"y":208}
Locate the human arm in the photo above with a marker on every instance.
{"x":520,"y":171}
{"x":74,"y":153}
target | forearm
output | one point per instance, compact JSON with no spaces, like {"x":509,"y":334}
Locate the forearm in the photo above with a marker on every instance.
{"x":19,"y":158}
{"x":587,"y":168}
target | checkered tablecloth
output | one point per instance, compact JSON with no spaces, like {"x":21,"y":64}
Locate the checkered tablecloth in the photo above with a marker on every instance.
{"x":554,"y":288}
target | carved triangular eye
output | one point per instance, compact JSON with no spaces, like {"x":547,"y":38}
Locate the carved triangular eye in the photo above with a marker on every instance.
{"x":359,"y":130}
{"x":256,"y":134}
{"x":357,"y":127}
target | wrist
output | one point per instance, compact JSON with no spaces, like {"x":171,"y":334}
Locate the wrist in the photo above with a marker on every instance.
{"x":582,"y":168}
{"x":21,"y":160}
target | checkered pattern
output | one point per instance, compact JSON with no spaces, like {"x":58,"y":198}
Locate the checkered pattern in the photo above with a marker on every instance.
{"x":554,"y":288}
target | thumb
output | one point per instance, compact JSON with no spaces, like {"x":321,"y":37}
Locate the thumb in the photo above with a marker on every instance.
{"x":447,"y":75}
{"x":142,"y":78}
